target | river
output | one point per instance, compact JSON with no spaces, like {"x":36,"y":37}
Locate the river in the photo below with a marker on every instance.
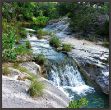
{"x":63,"y":71}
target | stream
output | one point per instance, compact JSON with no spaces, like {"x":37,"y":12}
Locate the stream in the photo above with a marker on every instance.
{"x":64,"y":73}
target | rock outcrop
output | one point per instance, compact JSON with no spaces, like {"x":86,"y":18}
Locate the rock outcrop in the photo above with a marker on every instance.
{"x":15,"y":95}
{"x":93,"y":59}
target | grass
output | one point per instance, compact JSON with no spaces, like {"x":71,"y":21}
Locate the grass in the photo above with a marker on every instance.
{"x":66,"y":47}
{"x":55,"y":42}
{"x":23,"y":33}
{"x":40,"y":59}
{"x":21,"y":50}
{"x":28,"y":46}
{"x":78,"y":103}
{"x":22,"y":69}
{"x":36,"y":88}
{"x":41,"y":33}
{"x":31,"y":76}
{"x":5,"y":70}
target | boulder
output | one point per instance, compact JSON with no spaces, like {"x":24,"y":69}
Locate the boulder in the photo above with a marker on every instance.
{"x":23,"y":58}
{"x":32,"y":67}
{"x":103,"y":81}
{"x":15,"y":95}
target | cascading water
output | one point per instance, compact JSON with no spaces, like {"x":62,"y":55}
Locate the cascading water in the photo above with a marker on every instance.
{"x":63,"y":72}
{"x":68,"y":77}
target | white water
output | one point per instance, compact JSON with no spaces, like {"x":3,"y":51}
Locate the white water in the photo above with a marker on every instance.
{"x":69,"y":78}
{"x":66,"y":77}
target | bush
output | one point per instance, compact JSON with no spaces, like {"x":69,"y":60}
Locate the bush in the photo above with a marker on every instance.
{"x":9,"y":55}
{"x":104,"y":30}
{"x":106,"y":44}
{"x":21,"y":50}
{"x":8,"y":39}
{"x":27,"y":43}
{"x":78,"y":103}
{"x":40,"y":21}
{"x":5,"y":70}
{"x":41,"y":33}
{"x":36,"y":88}
{"x":55,"y":42}
{"x":66,"y":47}
{"x":40,"y":59}
{"x":22,"y":33}
{"x":83,"y":18}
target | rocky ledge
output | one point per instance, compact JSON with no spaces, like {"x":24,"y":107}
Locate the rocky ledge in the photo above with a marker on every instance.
{"x":93,"y":59}
{"x":14,"y":91}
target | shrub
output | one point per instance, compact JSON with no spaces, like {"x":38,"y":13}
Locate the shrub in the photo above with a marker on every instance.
{"x":36,"y":88}
{"x":40,"y":20}
{"x":22,"y":33}
{"x":27,"y":43}
{"x":106,"y":44}
{"x":9,"y":55}
{"x":17,"y":40}
{"x":55,"y":42}
{"x":5,"y":70}
{"x":92,"y":38}
{"x":104,"y":29}
{"x":40,"y":59}
{"x":21,"y":50}
{"x":66,"y":47}
{"x":78,"y":103}
{"x":8,"y":39}
{"x":41,"y":33}
{"x":83,"y":19}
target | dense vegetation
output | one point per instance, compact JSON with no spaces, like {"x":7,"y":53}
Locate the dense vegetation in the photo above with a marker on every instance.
{"x":81,"y":103}
{"x":90,"y":20}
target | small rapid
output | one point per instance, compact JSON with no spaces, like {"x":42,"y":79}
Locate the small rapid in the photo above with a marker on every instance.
{"x":62,"y":70}
{"x":68,"y":77}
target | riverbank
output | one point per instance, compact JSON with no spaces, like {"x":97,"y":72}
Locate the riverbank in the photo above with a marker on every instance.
{"x":15,"y":87}
{"x":92,"y":57}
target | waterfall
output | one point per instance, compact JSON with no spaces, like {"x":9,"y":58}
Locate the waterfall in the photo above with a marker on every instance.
{"x":69,"y":78}
{"x":62,"y":72}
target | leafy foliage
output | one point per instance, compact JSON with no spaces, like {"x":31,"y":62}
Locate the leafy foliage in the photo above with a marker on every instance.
{"x":9,"y":55}
{"x":8,"y":39}
{"x":40,"y":21}
{"x":78,"y":103}
{"x":87,"y":18}
{"x":21,"y":50}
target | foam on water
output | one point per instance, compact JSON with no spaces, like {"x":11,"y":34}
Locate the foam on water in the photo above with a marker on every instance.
{"x":69,"y":78}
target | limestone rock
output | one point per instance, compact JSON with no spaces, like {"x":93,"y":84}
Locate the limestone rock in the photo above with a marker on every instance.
{"x":14,"y":95}
{"x":32,"y":67}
